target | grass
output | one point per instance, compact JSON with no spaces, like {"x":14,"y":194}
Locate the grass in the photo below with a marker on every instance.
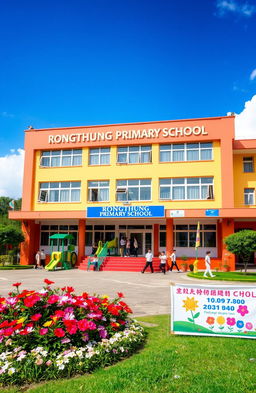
{"x":226,"y":276}
{"x":16,"y":267}
{"x":180,"y":364}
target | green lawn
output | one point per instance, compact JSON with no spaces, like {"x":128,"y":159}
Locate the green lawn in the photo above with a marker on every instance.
{"x":226,"y":276}
{"x":182,"y":364}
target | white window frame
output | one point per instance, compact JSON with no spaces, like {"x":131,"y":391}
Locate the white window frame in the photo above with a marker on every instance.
{"x":73,"y":153}
{"x":100,"y":153}
{"x":128,"y":152}
{"x":185,"y":150}
{"x":91,"y":189}
{"x":248,"y":160}
{"x":202,"y":231}
{"x":129,"y":187}
{"x":59,"y":189}
{"x":171,"y":186}
{"x":247,"y":196}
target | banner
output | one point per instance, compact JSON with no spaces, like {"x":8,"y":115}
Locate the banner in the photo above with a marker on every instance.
{"x":207,"y":310}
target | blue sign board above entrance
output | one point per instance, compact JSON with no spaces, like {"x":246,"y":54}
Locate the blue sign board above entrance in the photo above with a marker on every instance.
{"x":212,"y":213}
{"x":125,"y":211}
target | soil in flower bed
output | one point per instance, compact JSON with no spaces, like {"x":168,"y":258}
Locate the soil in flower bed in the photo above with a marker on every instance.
{"x":54,"y":333}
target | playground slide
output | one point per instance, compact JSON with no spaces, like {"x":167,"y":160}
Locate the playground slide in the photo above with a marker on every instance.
{"x":56,"y":257}
{"x":104,"y":251}
{"x":112,"y":243}
{"x":99,"y":248}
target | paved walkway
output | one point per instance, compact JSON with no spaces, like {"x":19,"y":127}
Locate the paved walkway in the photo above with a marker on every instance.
{"x":146,"y":294}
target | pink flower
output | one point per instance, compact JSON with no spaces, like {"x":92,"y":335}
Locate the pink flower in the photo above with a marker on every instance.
{"x":53,"y":299}
{"x":231,"y":321}
{"x":249,"y":325}
{"x":242,"y":310}
{"x":43,"y":331}
{"x":48,"y":363}
{"x":39,"y":361}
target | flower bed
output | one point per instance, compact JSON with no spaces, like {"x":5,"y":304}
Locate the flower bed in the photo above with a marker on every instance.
{"x":53,"y":333}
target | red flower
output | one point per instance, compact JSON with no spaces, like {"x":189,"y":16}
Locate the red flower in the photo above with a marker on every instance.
{"x":8,"y":331}
{"x":71,"y":326}
{"x":69,"y":289}
{"x":36,"y":317}
{"x":83,"y":325}
{"x":120,"y":294}
{"x":17,"y":284}
{"x":112,"y":309}
{"x":24,"y":332}
{"x":48,"y":282}
{"x":59,"y":332}
{"x":59,"y":313}
{"x":30,"y":301}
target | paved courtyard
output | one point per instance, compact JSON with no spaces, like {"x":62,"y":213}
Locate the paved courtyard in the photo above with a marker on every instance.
{"x":146,"y":294}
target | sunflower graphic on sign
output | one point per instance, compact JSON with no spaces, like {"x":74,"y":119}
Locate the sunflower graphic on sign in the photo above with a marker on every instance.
{"x":190,"y":304}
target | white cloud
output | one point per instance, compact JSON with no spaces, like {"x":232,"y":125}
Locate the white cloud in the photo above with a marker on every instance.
{"x":11,"y":174}
{"x":245,"y":122}
{"x":6,"y":114}
{"x":253,"y":75}
{"x":235,"y":7}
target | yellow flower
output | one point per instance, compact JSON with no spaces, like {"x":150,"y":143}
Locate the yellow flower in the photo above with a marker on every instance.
{"x":21,"y":320}
{"x":190,"y":304}
{"x":220,"y":320}
{"x":105,"y":297}
{"x":48,"y":323}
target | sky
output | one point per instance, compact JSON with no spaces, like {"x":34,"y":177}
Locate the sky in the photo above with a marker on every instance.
{"x":80,"y":62}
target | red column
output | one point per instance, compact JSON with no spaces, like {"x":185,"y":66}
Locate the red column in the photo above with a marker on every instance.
{"x":81,"y":240}
{"x":219,"y":239}
{"x":169,"y":236}
{"x":227,"y":229}
{"x":156,"y":240}
{"x":30,"y":246}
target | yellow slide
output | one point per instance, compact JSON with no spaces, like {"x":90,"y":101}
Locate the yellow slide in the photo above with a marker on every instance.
{"x":99,"y":248}
{"x":112,"y":243}
{"x":55,"y":259}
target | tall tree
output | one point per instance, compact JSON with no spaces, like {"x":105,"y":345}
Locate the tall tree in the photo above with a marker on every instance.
{"x":243,"y":244}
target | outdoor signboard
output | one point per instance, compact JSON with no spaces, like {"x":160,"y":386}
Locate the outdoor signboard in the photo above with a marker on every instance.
{"x":125,"y":211}
{"x":207,"y":310}
{"x":212,"y":212}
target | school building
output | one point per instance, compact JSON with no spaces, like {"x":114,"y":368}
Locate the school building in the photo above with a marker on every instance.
{"x":153,"y":181}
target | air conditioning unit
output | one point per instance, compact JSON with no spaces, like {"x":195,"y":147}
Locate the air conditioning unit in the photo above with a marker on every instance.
{"x":121,"y":190}
{"x":43,"y":196}
{"x":209,"y":194}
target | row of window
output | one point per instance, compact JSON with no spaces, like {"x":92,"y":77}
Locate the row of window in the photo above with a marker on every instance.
{"x":129,"y":154}
{"x":183,"y":236}
{"x":129,"y":190}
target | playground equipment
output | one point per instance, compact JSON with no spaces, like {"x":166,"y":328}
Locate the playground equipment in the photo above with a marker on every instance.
{"x":65,"y":258}
{"x":102,"y":251}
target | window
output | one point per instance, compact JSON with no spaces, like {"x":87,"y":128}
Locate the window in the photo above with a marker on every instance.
{"x":186,"y":152}
{"x":185,"y":235}
{"x":134,"y":190}
{"x":249,"y":196}
{"x":68,"y":191}
{"x":94,"y":233}
{"x":53,"y":158}
{"x":134,"y":154}
{"x":99,"y":156}
{"x":193,"y":188}
{"x":47,"y":231}
{"x":98,"y":191}
{"x":248,"y":164}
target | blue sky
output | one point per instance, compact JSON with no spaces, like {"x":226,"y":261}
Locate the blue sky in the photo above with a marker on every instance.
{"x":81,"y":62}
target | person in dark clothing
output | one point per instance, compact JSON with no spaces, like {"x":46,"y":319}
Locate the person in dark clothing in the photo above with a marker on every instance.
{"x":149,"y":262}
{"x":174,"y":262}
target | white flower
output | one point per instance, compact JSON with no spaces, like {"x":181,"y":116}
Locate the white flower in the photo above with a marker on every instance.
{"x":11,"y":371}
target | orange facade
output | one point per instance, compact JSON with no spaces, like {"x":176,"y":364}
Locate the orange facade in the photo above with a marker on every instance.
{"x":220,"y":214}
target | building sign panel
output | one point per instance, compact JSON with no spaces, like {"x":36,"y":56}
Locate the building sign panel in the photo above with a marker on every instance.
{"x":212,"y":213}
{"x":177,"y":213}
{"x":205,"y":310}
{"x":150,"y":133}
{"x":125,"y":211}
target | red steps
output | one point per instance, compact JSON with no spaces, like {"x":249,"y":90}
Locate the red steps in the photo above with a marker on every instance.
{"x":125,"y":264}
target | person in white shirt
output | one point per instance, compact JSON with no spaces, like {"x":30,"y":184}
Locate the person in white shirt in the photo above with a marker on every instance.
{"x":174,"y":262}
{"x":122,"y":246}
{"x":163,"y":259}
{"x":207,"y":260}
{"x":43,"y":258}
{"x":149,"y":261}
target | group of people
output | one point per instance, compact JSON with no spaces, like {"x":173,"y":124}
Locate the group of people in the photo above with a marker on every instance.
{"x":163,"y":261}
{"x":173,"y":257}
{"x":40,"y":259}
{"x":128,"y":246}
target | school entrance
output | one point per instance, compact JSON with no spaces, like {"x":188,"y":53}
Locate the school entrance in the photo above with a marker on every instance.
{"x":143,"y":237}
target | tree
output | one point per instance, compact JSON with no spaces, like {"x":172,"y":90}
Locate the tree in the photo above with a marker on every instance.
{"x":10,"y":235}
{"x":4,"y":205}
{"x":243,"y":244}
